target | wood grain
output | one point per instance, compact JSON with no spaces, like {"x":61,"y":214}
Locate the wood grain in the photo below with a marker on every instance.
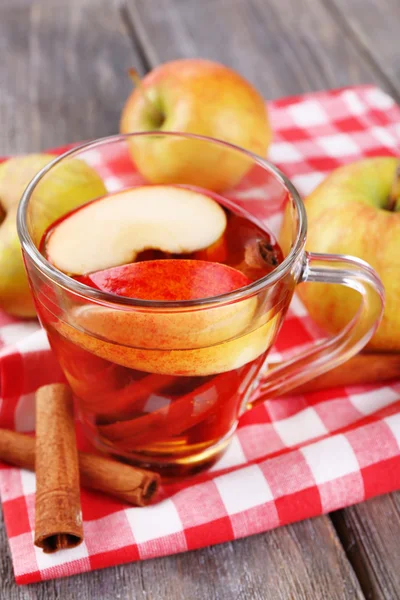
{"x":76,"y":86}
{"x":286,"y":47}
{"x":63,"y":80}
{"x":374,"y":27}
{"x":63,"y":73}
{"x":310,"y":564}
{"x":370,"y":533}
{"x":283,"y":46}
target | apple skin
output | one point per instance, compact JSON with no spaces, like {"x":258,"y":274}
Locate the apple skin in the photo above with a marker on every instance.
{"x":201,"y":341}
{"x":198,"y":342}
{"x":346,"y":215}
{"x":70,"y":184}
{"x":15,"y":297}
{"x":202,"y":97}
{"x":220,"y":357}
{"x":168,"y":280}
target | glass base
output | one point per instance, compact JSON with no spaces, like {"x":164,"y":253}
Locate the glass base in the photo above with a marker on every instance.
{"x":170,"y":467}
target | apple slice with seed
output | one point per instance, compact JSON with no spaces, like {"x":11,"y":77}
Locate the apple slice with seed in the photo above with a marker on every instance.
{"x":113,"y":230}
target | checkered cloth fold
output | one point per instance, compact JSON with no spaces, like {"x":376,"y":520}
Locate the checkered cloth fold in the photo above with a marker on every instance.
{"x":291,"y":458}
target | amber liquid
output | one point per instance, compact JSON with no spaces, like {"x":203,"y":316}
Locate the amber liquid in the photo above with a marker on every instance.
{"x":169,"y":421}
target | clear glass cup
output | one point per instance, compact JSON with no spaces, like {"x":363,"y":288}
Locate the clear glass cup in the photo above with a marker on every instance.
{"x":163,"y":384}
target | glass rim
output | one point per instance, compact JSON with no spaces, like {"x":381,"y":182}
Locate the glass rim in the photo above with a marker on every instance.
{"x":85,"y":291}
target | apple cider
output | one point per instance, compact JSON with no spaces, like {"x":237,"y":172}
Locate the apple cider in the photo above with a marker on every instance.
{"x":162,"y":388}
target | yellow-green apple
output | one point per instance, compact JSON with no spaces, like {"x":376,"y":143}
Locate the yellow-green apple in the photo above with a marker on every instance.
{"x":109,"y":233}
{"x":70,"y":184}
{"x":353,"y":211}
{"x":202,"y":97}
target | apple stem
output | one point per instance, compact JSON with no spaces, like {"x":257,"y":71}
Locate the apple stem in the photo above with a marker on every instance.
{"x":156,"y":114}
{"x":394,"y":191}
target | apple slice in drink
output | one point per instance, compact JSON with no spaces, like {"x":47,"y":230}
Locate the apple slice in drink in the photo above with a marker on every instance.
{"x":171,"y":418}
{"x":168,"y":280}
{"x":194,"y":341}
{"x":107,"y":333}
{"x":112,"y":231}
{"x":120,"y":403}
{"x":187,"y":342}
{"x":214,"y":404}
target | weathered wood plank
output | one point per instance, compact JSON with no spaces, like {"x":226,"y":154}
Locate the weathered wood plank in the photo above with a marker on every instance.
{"x":62,"y":79}
{"x":375,"y":28}
{"x":62,"y":73}
{"x":289,"y":46}
{"x":370,"y":533}
{"x":309,"y":565}
{"x":65,"y":80}
{"x":283,"y":46}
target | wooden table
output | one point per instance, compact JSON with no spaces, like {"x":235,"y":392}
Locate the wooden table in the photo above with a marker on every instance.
{"x":63,"y":78}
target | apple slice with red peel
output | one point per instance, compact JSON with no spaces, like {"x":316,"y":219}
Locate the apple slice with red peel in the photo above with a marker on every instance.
{"x":199,"y":341}
{"x":168,"y":280}
{"x":113,"y":230}
{"x":174,"y":343}
{"x":121,"y":403}
{"x":169,"y":328}
{"x":170,"y":419}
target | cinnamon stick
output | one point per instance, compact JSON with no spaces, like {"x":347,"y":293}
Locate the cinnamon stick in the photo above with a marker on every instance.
{"x":58,"y":522}
{"x":359,"y":370}
{"x":130,"y":484}
{"x":127,"y":483}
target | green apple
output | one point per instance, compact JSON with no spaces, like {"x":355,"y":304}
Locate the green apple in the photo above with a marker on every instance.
{"x":67,"y":186}
{"x":354,"y":211}
{"x":201,"y":97}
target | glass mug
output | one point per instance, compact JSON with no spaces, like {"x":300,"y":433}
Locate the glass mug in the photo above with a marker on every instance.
{"x":162,"y":384}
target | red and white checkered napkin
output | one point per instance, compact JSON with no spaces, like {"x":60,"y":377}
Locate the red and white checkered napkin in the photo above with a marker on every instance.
{"x":291,"y":458}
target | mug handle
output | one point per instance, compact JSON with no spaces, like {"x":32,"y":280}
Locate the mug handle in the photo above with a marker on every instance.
{"x":331,"y":352}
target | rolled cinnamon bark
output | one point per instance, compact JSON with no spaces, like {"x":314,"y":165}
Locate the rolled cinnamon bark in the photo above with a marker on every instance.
{"x":361,"y":369}
{"x":129,"y":484}
{"x":17,"y":449}
{"x":58,"y":522}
